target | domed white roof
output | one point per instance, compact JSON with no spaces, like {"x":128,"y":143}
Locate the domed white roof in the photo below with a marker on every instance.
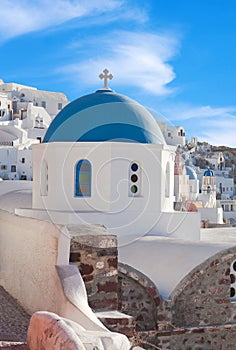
{"x":191,"y":173}
{"x":104,"y":116}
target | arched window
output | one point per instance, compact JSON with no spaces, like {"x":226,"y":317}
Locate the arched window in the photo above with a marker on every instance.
{"x":167,"y":186}
{"x":83,"y":178}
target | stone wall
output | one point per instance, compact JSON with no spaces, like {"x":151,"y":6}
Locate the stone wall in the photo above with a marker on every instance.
{"x":201,"y":338}
{"x":199,"y":314}
{"x":203,"y":297}
{"x":96,"y":258}
{"x":138,"y":297}
{"x":28,"y":255}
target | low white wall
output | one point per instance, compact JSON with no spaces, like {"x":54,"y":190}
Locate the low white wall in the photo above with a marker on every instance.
{"x":214,"y":215}
{"x":7,"y":186}
{"x":28,"y":255}
{"x":183,"y":225}
{"x":30,"y":249}
{"x":131,"y":225}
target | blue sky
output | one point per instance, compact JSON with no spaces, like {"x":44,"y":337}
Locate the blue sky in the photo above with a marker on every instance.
{"x":174,"y":56}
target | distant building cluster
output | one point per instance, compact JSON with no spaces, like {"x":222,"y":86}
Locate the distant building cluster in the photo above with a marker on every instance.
{"x":25,"y":115}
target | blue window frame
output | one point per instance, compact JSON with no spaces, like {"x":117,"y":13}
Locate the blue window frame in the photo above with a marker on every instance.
{"x":83,"y":178}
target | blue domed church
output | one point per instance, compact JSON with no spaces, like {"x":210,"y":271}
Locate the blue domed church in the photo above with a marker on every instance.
{"x":104,"y":160}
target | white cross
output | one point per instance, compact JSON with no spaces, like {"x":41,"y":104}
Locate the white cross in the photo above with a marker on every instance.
{"x":105,"y":76}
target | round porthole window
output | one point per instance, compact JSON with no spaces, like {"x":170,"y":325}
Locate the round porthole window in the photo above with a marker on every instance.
{"x":134,"y":178}
{"x":134,"y":167}
{"x":233,"y":281}
{"x":134,"y":189}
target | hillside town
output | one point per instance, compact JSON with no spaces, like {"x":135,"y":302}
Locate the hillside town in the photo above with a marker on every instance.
{"x":26,"y":113}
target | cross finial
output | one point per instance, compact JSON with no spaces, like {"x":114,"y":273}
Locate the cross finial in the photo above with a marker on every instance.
{"x":105,"y":76}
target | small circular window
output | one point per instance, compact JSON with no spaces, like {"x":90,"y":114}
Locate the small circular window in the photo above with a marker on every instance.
{"x":134,"y":189}
{"x":134,"y":167}
{"x":233,"y":281}
{"x":232,"y":278}
{"x":134,"y":178}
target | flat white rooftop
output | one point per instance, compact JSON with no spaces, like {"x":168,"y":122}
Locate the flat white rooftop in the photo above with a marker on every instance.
{"x":166,"y":261}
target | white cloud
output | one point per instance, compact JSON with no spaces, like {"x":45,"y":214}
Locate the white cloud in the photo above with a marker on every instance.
{"x":27,"y":16}
{"x":185,"y":112}
{"x":221,"y":131}
{"x":135,"y":60}
{"x":216,"y":125}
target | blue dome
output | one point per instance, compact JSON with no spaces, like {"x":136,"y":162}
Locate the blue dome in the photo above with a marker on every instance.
{"x":191,"y":173}
{"x":104,"y":116}
{"x":208,"y":172}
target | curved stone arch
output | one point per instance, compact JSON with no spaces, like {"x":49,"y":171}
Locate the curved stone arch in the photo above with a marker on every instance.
{"x":205,"y":291}
{"x":143,"y":299}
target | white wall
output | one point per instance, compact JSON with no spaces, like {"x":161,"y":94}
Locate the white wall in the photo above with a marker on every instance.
{"x":193,"y":189}
{"x":110,"y":176}
{"x":214,"y":215}
{"x":227,"y":185}
{"x":62,"y":159}
{"x":28,"y":255}
{"x":7,"y":186}
{"x":173,"y":134}
{"x":50,"y":98}
{"x":4,"y":112}
{"x":32,"y":113}
{"x":182,"y":187}
{"x":111,"y":203}
{"x":10,"y":87}
{"x":24,"y":167}
{"x":28,"y":259}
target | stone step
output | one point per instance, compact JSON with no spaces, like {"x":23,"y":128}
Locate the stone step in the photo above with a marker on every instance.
{"x":116,"y":321}
{"x":13,"y":346}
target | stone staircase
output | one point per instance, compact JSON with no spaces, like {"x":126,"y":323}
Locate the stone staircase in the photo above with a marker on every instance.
{"x":13,"y":346}
{"x":119,"y":322}
{"x":14,"y":323}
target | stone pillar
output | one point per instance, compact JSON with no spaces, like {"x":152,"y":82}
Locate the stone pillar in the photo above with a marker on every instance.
{"x":96,"y":257}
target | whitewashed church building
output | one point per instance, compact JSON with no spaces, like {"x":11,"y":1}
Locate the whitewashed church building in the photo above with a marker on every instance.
{"x":104,"y":160}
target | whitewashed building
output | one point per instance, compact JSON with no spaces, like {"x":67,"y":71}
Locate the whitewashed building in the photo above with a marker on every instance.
{"x":25,"y":115}
{"x":174,"y":135}
{"x":104,"y":159}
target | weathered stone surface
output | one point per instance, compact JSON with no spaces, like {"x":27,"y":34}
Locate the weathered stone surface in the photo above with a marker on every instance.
{"x":96,"y":258}
{"x":14,"y":320}
{"x":13,"y":346}
{"x":138,"y":297}
{"x":198,"y":315}
{"x":204,"y":298}
{"x":118,"y":322}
